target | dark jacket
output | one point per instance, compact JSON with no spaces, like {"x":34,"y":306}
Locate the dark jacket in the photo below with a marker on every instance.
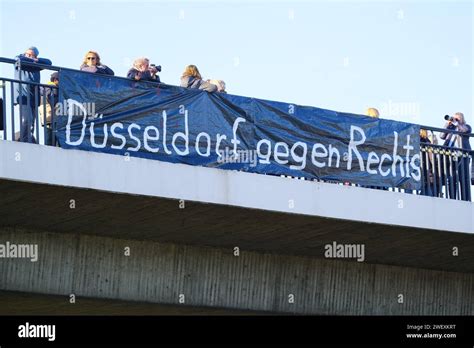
{"x":98,"y":69}
{"x":145,"y":76}
{"x":52,"y":95}
{"x":193,"y":82}
{"x":425,"y":140}
{"x":27,"y":74}
{"x":453,"y":139}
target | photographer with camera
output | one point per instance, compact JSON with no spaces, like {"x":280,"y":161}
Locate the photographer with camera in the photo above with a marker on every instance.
{"x":144,"y":71}
{"x":154,"y":70}
{"x":460,"y":170}
{"x":458,"y":124}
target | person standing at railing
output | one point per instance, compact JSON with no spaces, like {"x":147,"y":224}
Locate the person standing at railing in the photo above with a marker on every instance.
{"x":142,"y":71}
{"x":457,"y":123}
{"x":460,"y":171}
{"x":191,"y":78}
{"x":92,"y":64}
{"x":49,"y":99}
{"x":25,"y":94}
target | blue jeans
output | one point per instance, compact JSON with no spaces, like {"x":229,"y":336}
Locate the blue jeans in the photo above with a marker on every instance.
{"x":48,"y":135}
{"x":27,"y":122}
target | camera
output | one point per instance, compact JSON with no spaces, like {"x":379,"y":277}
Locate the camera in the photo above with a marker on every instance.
{"x":157,"y":67}
{"x":451,"y":119}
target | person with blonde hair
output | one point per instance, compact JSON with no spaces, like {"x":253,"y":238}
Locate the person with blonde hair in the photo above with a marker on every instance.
{"x":219,"y":84}
{"x":191,"y":78}
{"x":457,"y":123}
{"x":373,"y":112}
{"x":92,"y":64}
{"x":141,"y":70}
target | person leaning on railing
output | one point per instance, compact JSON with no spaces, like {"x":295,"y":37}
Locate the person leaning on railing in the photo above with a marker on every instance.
{"x":24,"y":94}
{"x":192,"y":78}
{"x":92,"y":64}
{"x":142,"y":71}
{"x":458,"y":123}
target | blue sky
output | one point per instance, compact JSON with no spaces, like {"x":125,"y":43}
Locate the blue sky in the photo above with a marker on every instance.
{"x":410,"y":59}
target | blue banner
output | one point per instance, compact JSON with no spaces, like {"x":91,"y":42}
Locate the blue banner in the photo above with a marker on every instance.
{"x":179,"y":125}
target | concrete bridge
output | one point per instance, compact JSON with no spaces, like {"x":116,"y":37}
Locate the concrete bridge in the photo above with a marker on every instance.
{"x":135,"y":236}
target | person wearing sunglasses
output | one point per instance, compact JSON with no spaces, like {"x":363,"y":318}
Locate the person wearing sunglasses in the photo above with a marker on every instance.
{"x":26,"y":93}
{"x":92,"y":64}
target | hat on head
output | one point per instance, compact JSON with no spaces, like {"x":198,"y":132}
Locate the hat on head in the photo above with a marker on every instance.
{"x":34,"y":49}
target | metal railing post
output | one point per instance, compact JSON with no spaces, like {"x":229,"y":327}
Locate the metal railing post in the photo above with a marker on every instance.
{"x":35,"y":119}
{"x":4,"y":110}
{"x":12,"y":105}
{"x":444,"y":170}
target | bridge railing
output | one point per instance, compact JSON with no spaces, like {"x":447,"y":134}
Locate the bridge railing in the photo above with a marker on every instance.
{"x":447,"y":172}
